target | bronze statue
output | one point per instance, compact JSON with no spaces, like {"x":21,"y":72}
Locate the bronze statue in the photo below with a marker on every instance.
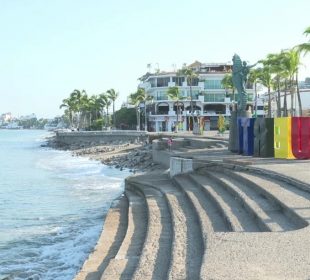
{"x":240,"y":71}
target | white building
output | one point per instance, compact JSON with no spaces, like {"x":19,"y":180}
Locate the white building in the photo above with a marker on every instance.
{"x":305,"y":101}
{"x":6,"y":117}
{"x":209,"y":97}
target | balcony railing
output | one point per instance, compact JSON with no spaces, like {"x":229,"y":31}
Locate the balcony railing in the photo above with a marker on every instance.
{"x":214,"y":98}
{"x":188,"y":114}
{"x":161,"y":97}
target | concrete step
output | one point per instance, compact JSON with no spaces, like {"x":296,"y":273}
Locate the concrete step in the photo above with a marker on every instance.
{"x":239,"y":219}
{"x":209,"y":213}
{"x":210,"y":218}
{"x":293,"y":201}
{"x":127,"y":257}
{"x":188,"y":247}
{"x":155,"y":258}
{"x":109,"y":242}
{"x":206,"y":143}
{"x":266,"y":212}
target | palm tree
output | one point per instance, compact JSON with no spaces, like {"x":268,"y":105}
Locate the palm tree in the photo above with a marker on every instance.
{"x":265,"y":79}
{"x":95,"y":107}
{"x":275,"y":62}
{"x":68,"y":103}
{"x":108,"y":105}
{"x":143,"y":97}
{"x":302,"y":48}
{"x":102,"y":101}
{"x":291,"y":62}
{"x":134,"y":99}
{"x":85,"y":108}
{"x":305,"y":47}
{"x":254,"y":78}
{"x":76,"y":95}
{"x":298,"y":96}
{"x":283,"y":77}
{"x":112,"y":94}
{"x":295,"y":61}
{"x":228,"y":85}
{"x":174,"y":94}
{"x":73,"y":104}
{"x":190,"y":77}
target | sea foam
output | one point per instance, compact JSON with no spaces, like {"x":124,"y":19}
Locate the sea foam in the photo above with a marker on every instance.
{"x":52,"y":207}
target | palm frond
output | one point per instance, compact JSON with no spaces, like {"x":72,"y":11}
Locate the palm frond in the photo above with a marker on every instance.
{"x":307,"y":31}
{"x":305,"y":47}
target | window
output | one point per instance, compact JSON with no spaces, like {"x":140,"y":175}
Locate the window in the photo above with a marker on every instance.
{"x":195,"y":82}
{"x":152,"y":82}
{"x":214,"y":97}
{"x":213,"y":84}
{"x":195,"y":94}
{"x":184,"y":94}
{"x":178,"y":80}
{"x":163,"y":82}
{"x":161,"y":95}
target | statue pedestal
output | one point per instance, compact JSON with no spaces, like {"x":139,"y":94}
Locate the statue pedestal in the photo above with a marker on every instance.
{"x":233,"y":133}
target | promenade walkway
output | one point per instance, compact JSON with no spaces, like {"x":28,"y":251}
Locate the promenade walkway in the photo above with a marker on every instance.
{"x":233,"y":217}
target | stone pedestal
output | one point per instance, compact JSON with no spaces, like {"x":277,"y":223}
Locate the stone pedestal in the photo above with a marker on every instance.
{"x":233,"y":133}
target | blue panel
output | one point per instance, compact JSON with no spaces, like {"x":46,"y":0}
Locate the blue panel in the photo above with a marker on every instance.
{"x":248,"y":136}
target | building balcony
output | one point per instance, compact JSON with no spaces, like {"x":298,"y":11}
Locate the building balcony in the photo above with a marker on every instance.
{"x":214,"y":98}
{"x":161,"y":98}
{"x":145,"y":85}
{"x":171,"y":84}
{"x":196,"y":113}
{"x":214,"y":113}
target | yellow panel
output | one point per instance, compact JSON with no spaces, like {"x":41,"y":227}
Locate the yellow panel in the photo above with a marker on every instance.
{"x":283,"y":138}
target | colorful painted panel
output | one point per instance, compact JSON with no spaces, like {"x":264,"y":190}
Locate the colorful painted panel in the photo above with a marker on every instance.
{"x":301,"y":137}
{"x":283,"y":138}
{"x":263,"y":137}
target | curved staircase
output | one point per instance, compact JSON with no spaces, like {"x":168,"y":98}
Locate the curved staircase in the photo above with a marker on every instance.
{"x":214,"y":223}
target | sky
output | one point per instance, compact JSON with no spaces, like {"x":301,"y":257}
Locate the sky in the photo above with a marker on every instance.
{"x":48,"y":48}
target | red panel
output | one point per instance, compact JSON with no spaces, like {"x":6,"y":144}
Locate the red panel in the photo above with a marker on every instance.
{"x":301,"y":137}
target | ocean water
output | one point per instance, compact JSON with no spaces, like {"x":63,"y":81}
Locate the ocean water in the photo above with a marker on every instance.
{"x":52,"y":207}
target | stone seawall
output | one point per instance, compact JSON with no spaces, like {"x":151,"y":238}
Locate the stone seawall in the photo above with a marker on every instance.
{"x":99,"y":137}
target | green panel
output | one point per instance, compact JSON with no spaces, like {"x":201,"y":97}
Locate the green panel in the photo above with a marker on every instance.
{"x":263,"y":137}
{"x":267,"y":149}
{"x":257,"y":128}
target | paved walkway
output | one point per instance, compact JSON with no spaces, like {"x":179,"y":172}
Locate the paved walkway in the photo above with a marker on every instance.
{"x":234,"y":217}
{"x":189,"y":134}
{"x":297,"y":169}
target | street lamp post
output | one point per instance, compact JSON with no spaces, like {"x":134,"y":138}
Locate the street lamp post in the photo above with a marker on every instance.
{"x":138,"y":119}
{"x":145,"y":117}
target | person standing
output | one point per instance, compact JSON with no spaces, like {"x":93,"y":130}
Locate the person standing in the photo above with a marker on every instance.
{"x":169,"y":142}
